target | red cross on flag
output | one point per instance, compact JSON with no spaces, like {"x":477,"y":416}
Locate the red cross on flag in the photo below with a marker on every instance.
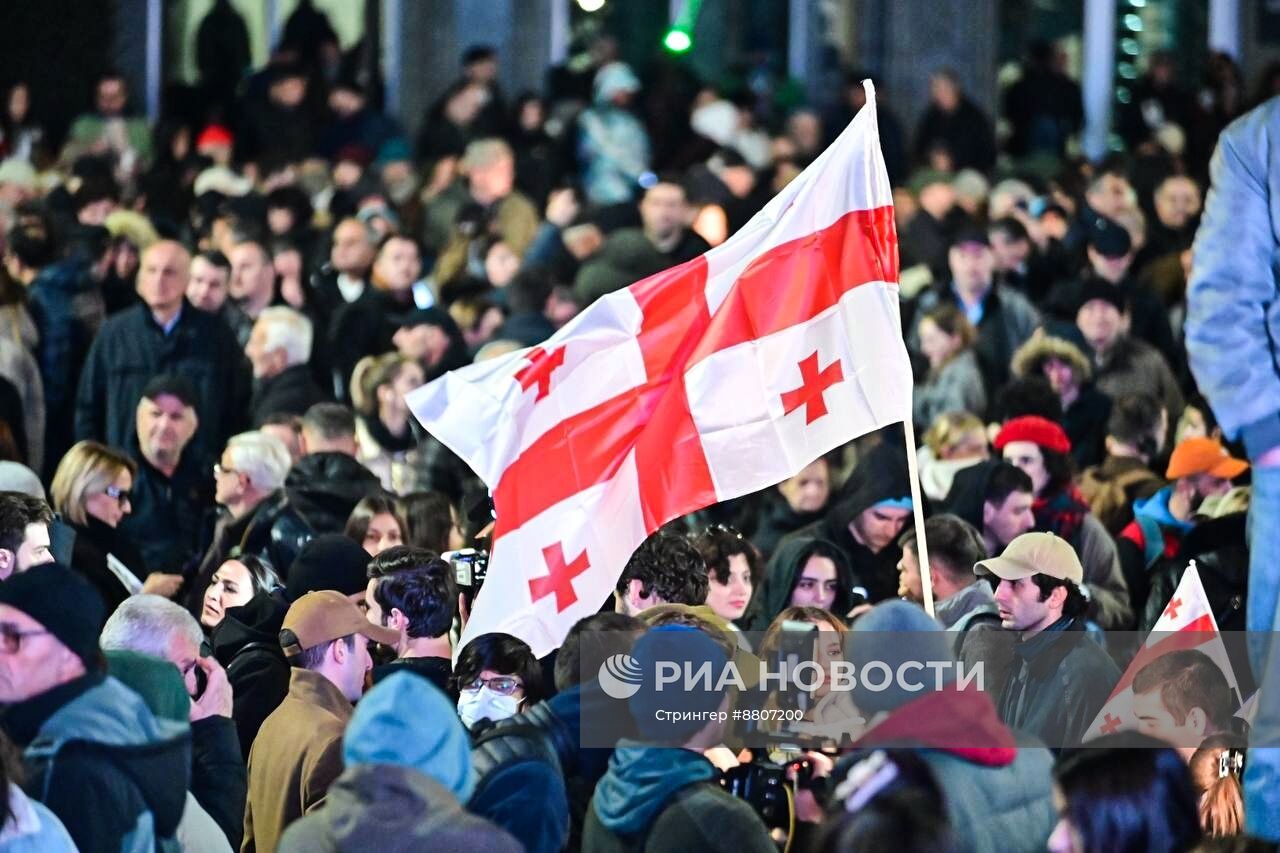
{"x":1186,"y":623}
{"x":717,"y":378}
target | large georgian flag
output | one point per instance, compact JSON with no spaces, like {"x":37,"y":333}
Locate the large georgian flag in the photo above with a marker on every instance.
{"x":1186,"y":623}
{"x":711,"y":380}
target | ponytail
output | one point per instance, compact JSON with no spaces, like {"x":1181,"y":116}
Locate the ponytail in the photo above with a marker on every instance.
{"x":1222,"y":807}
{"x":1217,"y":767}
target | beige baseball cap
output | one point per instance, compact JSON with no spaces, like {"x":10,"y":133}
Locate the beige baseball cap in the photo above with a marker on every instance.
{"x":325,"y":615}
{"x":1035,"y":554}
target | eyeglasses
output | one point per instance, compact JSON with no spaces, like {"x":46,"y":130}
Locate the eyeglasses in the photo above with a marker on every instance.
{"x":503,"y":685}
{"x":11,"y":638}
{"x":122,"y":496}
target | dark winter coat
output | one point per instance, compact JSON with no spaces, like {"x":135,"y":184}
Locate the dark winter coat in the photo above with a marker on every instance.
{"x":66,"y":308}
{"x":247,"y":644}
{"x":1060,"y":681}
{"x":290,"y":392}
{"x":1008,"y":321}
{"x":318,"y":496}
{"x":881,"y":475}
{"x":168,"y":512}
{"x":94,"y":541}
{"x":132,"y":349}
{"x":393,"y":809}
{"x":114,"y":774}
{"x":627,"y":257}
{"x":966,"y":132}
{"x":777,"y":519}
{"x":218,"y":778}
{"x":773,"y":595}
{"x":533,"y":776}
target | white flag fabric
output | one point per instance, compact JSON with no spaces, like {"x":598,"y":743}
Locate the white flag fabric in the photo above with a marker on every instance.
{"x":710,"y":380}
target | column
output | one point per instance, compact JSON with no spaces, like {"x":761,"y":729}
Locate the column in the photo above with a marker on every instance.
{"x":1098,"y":75}
{"x":1224,"y":27}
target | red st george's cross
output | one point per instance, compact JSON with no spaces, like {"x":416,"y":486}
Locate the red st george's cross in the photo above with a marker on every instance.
{"x":747,"y":345}
{"x":654,"y":418}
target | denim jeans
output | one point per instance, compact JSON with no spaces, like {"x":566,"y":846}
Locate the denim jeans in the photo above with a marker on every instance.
{"x":1262,"y":776}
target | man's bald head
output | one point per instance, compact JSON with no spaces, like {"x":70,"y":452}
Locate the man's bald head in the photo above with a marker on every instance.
{"x":162,"y":277}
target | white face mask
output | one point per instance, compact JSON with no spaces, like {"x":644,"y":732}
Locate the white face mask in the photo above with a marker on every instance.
{"x":484,"y":704}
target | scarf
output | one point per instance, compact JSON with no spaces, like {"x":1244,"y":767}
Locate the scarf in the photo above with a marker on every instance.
{"x":1061,"y":513}
{"x":386,"y":440}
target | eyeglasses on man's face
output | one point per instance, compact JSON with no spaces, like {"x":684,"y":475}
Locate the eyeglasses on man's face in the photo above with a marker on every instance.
{"x":503,"y":685}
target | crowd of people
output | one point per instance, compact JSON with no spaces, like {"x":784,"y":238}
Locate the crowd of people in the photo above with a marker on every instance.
{"x":229,"y":604}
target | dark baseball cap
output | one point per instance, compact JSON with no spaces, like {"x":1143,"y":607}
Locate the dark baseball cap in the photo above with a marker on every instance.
{"x":1109,"y":238}
{"x":971,"y":234}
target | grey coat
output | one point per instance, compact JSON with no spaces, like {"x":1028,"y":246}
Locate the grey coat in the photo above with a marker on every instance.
{"x":957,"y":387}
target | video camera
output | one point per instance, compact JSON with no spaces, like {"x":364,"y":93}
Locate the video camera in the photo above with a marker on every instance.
{"x":762,"y":783}
{"x":470,"y":568}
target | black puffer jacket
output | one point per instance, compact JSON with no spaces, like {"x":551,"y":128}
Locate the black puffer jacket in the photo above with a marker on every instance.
{"x":1222,"y":558}
{"x":318,"y":495}
{"x":247,"y":644}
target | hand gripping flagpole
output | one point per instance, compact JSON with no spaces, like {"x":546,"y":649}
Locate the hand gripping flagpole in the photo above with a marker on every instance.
{"x":909,"y":432}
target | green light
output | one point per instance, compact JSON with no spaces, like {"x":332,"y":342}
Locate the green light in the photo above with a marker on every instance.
{"x":677,"y":41}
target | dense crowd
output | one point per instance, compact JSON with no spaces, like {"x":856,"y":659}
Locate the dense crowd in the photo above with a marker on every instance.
{"x":246,"y":638}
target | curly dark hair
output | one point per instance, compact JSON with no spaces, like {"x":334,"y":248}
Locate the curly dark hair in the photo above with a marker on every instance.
{"x":418,"y":584}
{"x":17,"y":510}
{"x":1075,"y":605}
{"x":668,"y":566}
{"x":717,"y":544}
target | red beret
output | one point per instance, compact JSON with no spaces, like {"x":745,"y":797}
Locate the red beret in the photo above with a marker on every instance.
{"x":214,"y":134}
{"x":1037,"y":430}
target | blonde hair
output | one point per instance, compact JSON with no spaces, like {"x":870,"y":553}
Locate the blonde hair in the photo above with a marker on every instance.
{"x":370,"y":374}
{"x":87,"y":469}
{"x":949,"y":428}
{"x":1222,"y":796}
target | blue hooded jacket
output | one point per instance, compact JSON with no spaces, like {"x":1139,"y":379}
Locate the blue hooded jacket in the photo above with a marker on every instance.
{"x":408,"y":771}
{"x":657,"y":798}
{"x":1156,"y":508}
{"x":641,"y":780}
{"x":406,"y":720}
{"x":111,"y":771}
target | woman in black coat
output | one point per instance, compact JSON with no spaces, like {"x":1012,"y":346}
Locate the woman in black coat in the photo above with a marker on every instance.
{"x":91,"y":491}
